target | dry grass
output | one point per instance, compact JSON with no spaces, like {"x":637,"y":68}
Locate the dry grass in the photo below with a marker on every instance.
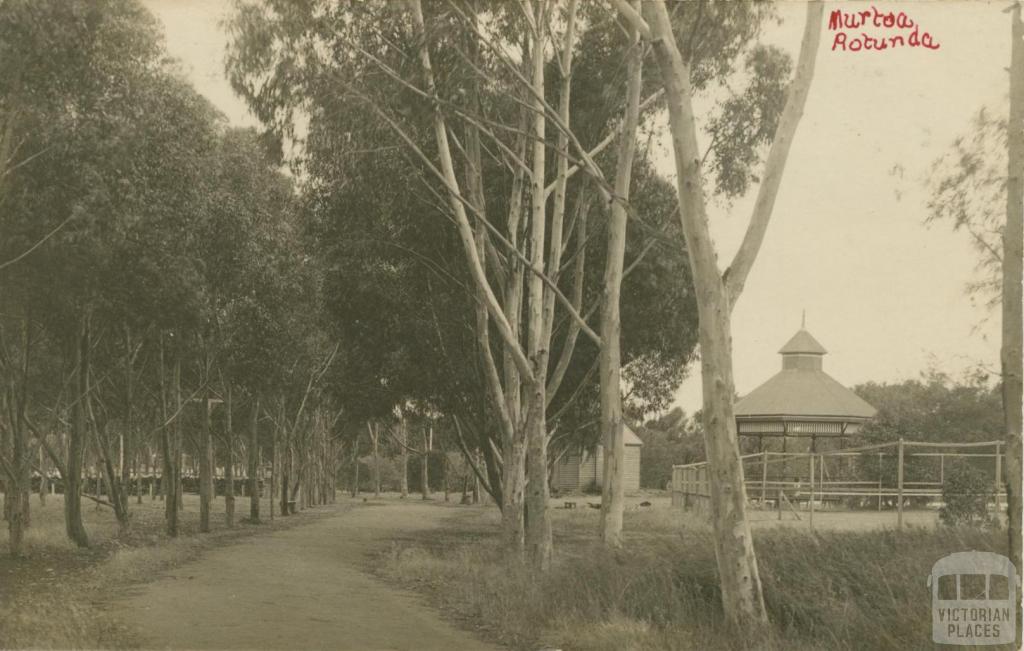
{"x":58,"y":596}
{"x":835,"y":590}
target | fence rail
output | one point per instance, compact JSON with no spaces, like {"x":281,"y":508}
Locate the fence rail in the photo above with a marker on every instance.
{"x":771,"y":480}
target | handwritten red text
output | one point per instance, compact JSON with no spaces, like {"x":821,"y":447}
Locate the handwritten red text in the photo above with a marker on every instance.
{"x":902,"y":31}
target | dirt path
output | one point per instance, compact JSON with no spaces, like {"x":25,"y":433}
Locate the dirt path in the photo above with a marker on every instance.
{"x":296,"y":589}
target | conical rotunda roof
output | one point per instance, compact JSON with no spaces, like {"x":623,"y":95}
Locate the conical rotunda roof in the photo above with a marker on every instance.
{"x":802,"y":389}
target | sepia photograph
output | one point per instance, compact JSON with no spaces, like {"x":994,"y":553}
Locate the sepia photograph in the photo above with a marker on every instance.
{"x":525,"y":325}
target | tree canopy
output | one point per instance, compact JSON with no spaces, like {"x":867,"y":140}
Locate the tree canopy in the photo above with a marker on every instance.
{"x":968,"y":192}
{"x":935,"y":408}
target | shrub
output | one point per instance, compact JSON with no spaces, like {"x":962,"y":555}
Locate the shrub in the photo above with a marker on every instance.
{"x":966,"y":492}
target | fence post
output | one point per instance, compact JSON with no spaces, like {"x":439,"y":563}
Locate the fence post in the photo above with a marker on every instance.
{"x":810,"y":501}
{"x":764,"y":477}
{"x":701,"y":474}
{"x":999,"y":472}
{"x":899,"y":487}
{"x":686,"y":489}
{"x":691,"y":488}
{"x":879,"y":481}
{"x":695,"y":488}
{"x":707,"y":489}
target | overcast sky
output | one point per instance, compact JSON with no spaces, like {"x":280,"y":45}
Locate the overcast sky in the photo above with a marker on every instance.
{"x":847,"y":243}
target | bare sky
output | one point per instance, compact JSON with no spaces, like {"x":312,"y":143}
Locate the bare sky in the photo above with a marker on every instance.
{"x":847,"y":243}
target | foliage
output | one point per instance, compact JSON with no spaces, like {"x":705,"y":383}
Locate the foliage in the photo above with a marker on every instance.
{"x":671,"y":439}
{"x":261,"y":291}
{"x":374,"y":97}
{"x":435,"y":472}
{"x":934,"y":408}
{"x":395,"y":276}
{"x":748,"y":120}
{"x":966,"y":492}
{"x":967,"y":188}
{"x":112,"y":163}
{"x":144,"y":231}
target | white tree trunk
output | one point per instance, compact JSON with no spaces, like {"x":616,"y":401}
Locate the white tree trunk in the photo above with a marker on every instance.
{"x":538,"y":527}
{"x":613,"y":483}
{"x":742,"y":598}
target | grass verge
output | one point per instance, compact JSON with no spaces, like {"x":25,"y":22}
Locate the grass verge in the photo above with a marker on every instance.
{"x":830,"y":590}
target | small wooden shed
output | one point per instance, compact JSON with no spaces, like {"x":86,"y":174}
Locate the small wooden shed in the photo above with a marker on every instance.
{"x":578,"y":469}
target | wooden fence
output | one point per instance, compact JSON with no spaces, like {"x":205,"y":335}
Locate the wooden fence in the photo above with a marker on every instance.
{"x":782,"y":480}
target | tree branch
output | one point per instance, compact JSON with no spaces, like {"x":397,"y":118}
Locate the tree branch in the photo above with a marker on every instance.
{"x":630,"y":15}
{"x":457,"y":202}
{"x":38,"y":244}
{"x":50,"y":452}
{"x":561,"y":175}
{"x":736,"y":275}
{"x":609,"y":139}
{"x":569,"y":343}
{"x":469,"y":457}
{"x":97,"y":500}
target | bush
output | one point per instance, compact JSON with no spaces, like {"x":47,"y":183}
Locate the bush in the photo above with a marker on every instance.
{"x":966,"y":492}
{"x":666,"y":445}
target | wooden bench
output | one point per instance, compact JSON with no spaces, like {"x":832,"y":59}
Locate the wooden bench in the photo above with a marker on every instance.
{"x":570,"y":505}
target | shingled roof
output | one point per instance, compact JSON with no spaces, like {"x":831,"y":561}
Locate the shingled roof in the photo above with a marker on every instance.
{"x":803,"y":390}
